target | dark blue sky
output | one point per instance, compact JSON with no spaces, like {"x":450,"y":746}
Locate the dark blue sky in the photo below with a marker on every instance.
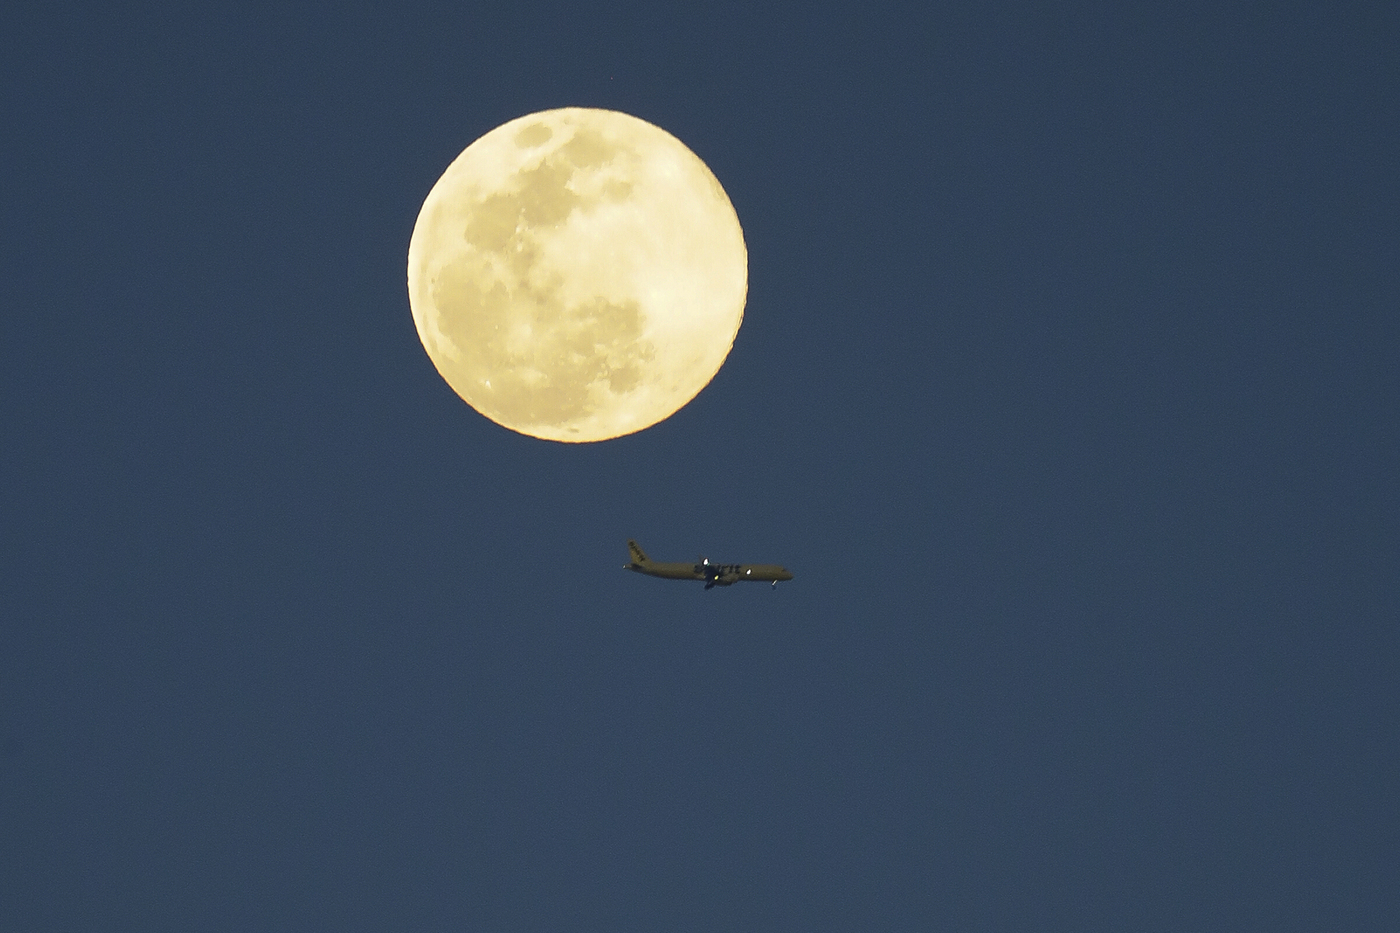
{"x":1068,"y":386}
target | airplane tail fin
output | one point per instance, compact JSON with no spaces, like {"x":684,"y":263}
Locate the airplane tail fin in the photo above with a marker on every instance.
{"x":636,"y":553}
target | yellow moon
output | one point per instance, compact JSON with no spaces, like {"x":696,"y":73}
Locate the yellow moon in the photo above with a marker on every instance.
{"x":577,"y":275}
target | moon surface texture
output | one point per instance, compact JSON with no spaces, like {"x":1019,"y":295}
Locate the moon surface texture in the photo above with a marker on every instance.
{"x":577,"y":275}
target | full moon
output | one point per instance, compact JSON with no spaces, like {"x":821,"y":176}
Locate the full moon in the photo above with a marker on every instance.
{"x":577,"y":275}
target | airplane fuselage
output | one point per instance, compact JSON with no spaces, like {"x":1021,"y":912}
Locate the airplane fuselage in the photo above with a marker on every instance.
{"x":713,"y":574}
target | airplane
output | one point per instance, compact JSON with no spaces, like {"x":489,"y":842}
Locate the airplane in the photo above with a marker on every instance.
{"x":712,"y":574}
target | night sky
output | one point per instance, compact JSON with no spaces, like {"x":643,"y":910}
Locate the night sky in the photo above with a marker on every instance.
{"x":1068,"y":386}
